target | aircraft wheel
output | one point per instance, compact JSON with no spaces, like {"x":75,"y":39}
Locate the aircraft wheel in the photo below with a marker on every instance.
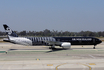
{"x":93,"y":47}
{"x":50,"y":48}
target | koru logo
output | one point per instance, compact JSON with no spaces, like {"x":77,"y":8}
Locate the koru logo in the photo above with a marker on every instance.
{"x":8,"y":30}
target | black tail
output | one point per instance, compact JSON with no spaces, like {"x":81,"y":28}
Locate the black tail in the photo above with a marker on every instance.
{"x":9,"y":31}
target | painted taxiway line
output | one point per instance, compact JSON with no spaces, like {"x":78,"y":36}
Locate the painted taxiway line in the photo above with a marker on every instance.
{"x":60,"y":65}
{"x":87,"y":66}
{"x":92,"y":56}
{"x":78,"y":63}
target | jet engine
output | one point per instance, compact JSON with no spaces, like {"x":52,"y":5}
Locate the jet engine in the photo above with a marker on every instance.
{"x":66,"y":45}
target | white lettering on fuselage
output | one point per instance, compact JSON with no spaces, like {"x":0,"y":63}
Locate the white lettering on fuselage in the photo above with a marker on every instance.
{"x":81,"y":39}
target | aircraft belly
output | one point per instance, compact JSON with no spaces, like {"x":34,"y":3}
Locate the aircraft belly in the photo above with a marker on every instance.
{"x":82,"y":43}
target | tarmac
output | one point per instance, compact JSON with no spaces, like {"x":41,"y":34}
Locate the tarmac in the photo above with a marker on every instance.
{"x":19,"y":57}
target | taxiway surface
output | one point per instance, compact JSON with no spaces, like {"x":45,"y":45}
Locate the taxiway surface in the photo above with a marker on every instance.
{"x":20,"y":57}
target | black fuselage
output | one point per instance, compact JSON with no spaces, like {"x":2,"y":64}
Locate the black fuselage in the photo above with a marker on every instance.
{"x":72,"y":40}
{"x":79,"y":40}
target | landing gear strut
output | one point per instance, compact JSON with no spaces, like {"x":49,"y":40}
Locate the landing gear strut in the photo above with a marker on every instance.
{"x":94,"y":47}
{"x":52,"y":47}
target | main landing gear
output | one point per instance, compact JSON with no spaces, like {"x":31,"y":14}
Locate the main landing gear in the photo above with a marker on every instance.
{"x":52,"y":47}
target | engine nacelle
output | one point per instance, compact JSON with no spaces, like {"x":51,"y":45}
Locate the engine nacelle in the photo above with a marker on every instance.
{"x":66,"y":45}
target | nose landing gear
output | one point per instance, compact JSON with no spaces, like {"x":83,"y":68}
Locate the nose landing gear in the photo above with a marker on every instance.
{"x":94,"y":47}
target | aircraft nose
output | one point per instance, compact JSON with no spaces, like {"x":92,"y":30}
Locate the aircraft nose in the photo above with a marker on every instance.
{"x":100,"y":41}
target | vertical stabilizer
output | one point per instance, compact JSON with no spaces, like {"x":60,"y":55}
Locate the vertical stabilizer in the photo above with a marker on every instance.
{"x":9,"y":32}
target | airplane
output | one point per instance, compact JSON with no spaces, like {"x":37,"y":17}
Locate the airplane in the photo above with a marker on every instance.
{"x":64,"y":42}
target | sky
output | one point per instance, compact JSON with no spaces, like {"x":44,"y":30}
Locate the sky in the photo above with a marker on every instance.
{"x":61,"y":15}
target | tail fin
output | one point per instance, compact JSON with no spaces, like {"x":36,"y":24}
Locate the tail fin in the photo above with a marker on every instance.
{"x":9,"y":31}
